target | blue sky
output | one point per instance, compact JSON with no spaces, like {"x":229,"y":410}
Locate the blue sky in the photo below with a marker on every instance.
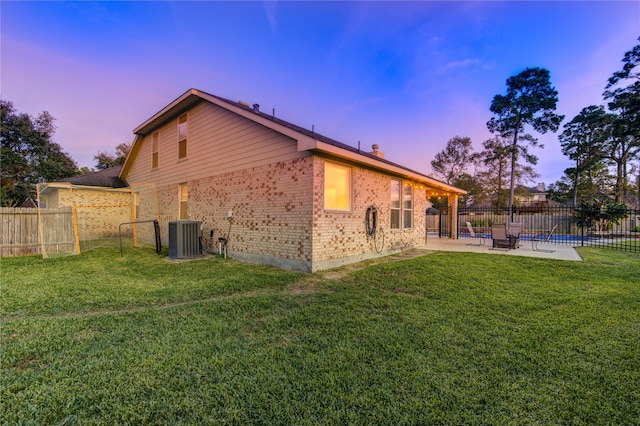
{"x":405,"y":75}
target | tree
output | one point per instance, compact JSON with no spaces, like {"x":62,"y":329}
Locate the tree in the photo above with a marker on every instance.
{"x":29,"y":155}
{"x":600,"y":215}
{"x":530,"y":100}
{"x":582,"y":141}
{"x":631,"y":60}
{"x":475,"y":191}
{"x":84,"y":170}
{"x":492,"y":170}
{"x":105,"y":160}
{"x":619,"y":147}
{"x":454,"y":160}
{"x":600,"y":182}
{"x":562,"y":190}
{"x":624,"y":102}
{"x":491,"y":173}
{"x":494,"y":159}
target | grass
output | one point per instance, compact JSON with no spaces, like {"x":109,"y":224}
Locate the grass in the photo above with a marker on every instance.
{"x":446,"y":338}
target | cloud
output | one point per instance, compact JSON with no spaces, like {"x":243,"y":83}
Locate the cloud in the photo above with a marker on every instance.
{"x":465,"y":63}
{"x":270,"y":8}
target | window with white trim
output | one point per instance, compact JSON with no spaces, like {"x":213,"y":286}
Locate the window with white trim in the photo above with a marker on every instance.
{"x":183,"y":198}
{"x":182,"y":136}
{"x":337,"y":187}
{"x":401,"y":205}
{"x":395,"y":204}
{"x":154,"y":150}
{"x":407,"y":206}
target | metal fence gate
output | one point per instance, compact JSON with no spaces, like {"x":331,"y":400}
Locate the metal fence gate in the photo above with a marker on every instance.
{"x":437,"y":222}
{"x":580,"y":226}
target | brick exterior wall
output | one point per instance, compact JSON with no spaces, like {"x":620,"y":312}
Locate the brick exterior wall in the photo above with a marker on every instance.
{"x":340,"y":237}
{"x":271,"y":211}
{"x":99,"y":212}
{"x":278,"y":215}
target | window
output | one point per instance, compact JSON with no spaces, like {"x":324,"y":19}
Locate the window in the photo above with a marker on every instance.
{"x":395,"y":204}
{"x":337,"y":187}
{"x":183,"y":197}
{"x":401,"y":205}
{"x":407,"y":206}
{"x":154,"y":150}
{"x":182,"y":136}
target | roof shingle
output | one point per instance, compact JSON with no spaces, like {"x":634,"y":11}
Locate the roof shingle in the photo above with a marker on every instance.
{"x":106,"y":178}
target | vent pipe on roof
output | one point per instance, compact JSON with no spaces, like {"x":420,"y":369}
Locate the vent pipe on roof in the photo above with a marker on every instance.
{"x":376,"y":151}
{"x":256,"y":107}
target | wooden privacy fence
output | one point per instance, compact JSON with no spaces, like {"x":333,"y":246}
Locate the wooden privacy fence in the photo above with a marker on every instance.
{"x":19,"y":235}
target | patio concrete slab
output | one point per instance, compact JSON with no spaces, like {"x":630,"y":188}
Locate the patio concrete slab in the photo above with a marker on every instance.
{"x":560,"y":252}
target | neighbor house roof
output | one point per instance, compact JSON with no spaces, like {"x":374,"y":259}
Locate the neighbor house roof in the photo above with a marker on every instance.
{"x":29,"y":203}
{"x":109,"y":178}
{"x":308,"y":140}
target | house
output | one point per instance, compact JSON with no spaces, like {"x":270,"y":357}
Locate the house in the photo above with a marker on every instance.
{"x":282,"y":195}
{"x":108,"y":178}
{"x":531,"y":200}
{"x":96,"y":204}
{"x":536,"y":194}
{"x":29,"y":203}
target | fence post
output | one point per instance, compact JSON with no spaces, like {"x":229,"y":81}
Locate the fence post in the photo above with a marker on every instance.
{"x":582,"y":221}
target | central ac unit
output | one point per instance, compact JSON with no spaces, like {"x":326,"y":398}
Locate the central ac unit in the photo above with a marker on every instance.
{"x":184,"y":239}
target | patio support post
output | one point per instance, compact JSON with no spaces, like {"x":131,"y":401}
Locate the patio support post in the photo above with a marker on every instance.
{"x":453,"y":216}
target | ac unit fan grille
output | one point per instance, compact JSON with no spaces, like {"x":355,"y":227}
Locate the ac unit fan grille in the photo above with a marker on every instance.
{"x":184,"y":239}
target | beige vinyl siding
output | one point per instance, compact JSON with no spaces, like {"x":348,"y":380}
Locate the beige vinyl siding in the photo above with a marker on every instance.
{"x":219,"y":142}
{"x":155,"y":155}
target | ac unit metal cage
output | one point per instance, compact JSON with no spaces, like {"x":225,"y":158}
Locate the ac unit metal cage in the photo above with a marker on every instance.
{"x":184,"y":239}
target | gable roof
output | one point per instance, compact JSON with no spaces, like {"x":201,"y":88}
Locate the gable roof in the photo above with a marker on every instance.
{"x":109,"y":178}
{"x":307,"y":140}
{"x":29,"y":203}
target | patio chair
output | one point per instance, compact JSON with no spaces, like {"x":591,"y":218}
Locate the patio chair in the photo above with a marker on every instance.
{"x":543,"y":239}
{"x":480,"y":237}
{"x":514,"y":229}
{"x":500,"y":237}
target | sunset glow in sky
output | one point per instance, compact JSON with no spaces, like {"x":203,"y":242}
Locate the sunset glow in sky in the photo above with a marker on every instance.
{"x":405,"y":75}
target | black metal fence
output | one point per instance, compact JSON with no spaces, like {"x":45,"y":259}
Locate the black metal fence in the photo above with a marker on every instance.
{"x":580,"y":226}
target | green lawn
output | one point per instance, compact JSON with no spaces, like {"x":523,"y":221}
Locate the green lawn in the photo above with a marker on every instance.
{"x":446,"y":338}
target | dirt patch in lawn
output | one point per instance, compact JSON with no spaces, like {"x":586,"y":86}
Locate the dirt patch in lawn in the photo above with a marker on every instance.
{"x":312,"y":283}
